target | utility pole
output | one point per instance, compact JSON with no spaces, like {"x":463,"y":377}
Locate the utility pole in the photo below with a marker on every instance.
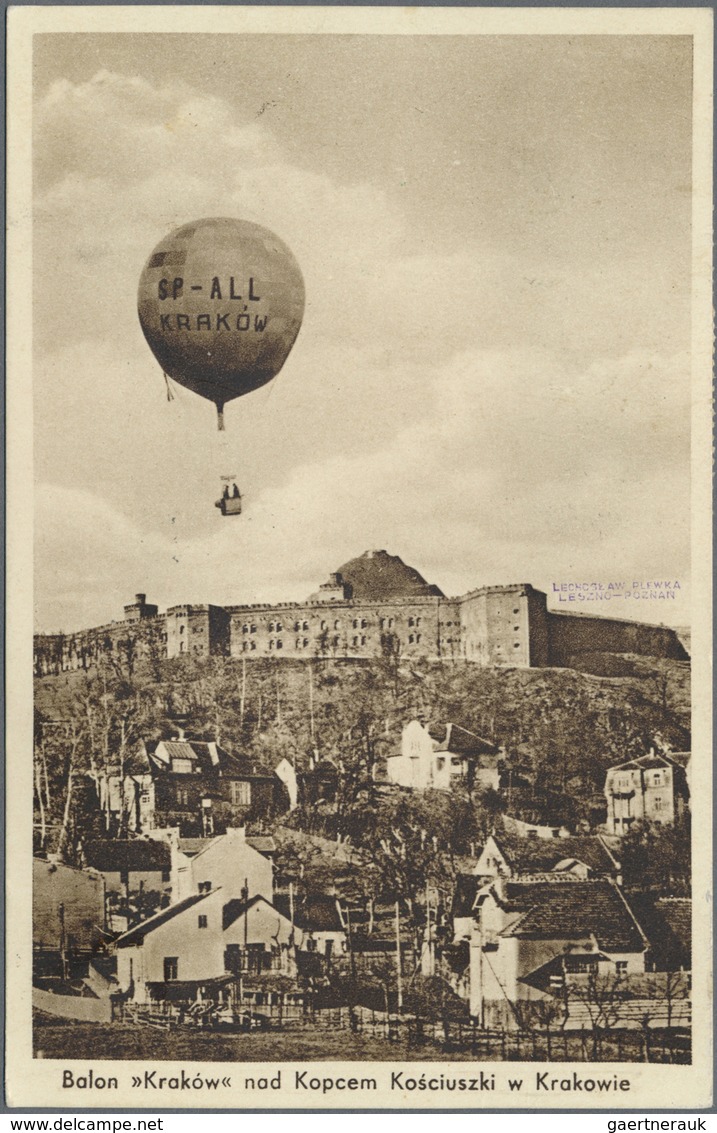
{"x":242,"y":701}
{"x":399,"y":979}
{"x":350,"y":941}
{"x":311,"y":704}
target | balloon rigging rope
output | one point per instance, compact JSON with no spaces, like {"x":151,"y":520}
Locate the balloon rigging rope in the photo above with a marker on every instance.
{"x":170,"y":394}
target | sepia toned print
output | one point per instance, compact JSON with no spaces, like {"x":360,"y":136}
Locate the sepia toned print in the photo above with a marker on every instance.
{"x":360,"y":697}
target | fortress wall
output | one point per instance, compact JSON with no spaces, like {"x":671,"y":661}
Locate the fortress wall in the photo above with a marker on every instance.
{"x":495,"y":626}
{"x":449,"y":628}
{"x":338,"y":629}
{"x":538,"y":628}
{"x":570,"y":635}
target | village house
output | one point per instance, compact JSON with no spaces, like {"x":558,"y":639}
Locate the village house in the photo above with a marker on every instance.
{"x":667,"y":922}
{"x":230,"y":862}
{"x":652,"y":787}
{"x":437,"y":758}
{"x":206,"y":937}
{"x":193,"y":785}
{"x":68,"y":907}
{"x":530,"y":939}
{"x":522,"y":857}
{"x":130,"y":865}
{"x":318,"y":915}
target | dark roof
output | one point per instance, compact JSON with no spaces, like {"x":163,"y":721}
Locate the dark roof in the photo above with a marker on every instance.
{"x":566,"y":910}
{"x":237,"y":907}
{"x":133,"y":855}
{"x":454,"y":738}
{"x":137,"y":934}
{"x":540,"y":855}
{"x":209,"y":759}
{"x":262,"y":843}
{"x":464,"y":894}
{"x":650,"y":761}
{"x":667,"y":924}
{"x":314,"y":913}
{"x":192,"y":846}
{"x":378,"y":576}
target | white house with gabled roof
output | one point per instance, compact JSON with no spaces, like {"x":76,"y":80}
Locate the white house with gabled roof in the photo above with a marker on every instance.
{"x":204,"y":938}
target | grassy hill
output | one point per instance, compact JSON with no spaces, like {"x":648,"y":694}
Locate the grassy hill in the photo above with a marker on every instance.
{"x":560,"y":726}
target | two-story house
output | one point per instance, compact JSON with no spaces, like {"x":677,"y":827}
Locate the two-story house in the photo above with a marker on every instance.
{"x":437,"y":758}
{"x":652,"y":787}
{"x":206,"y":939}
{"x":531,"y":938}
{"x":193,"y":785}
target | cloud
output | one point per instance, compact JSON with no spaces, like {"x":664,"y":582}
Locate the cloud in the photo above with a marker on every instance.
{"x":442,"y":492}
{"x":436,"y":404}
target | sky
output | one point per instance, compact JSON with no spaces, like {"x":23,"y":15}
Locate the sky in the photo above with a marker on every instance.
{"x":492,"y":379}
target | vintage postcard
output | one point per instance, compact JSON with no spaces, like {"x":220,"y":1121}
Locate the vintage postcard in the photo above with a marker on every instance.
{"x":359,"y":580}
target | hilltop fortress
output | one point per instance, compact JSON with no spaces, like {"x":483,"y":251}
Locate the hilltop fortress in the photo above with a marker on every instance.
{"x":373,"y":606}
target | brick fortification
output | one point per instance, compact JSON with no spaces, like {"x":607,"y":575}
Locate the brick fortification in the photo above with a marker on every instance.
{"x":373,"y":606}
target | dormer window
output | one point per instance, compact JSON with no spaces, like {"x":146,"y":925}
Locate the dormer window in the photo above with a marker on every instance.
{"x":182,"y":766}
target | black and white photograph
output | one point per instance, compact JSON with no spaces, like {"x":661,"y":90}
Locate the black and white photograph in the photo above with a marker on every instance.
{"x":358,"y":557}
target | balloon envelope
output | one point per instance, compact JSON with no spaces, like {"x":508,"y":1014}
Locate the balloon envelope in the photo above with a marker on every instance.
{"x":220,"y":303}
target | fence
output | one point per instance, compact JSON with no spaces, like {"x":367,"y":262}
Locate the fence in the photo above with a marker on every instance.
{"x":454,"y":1037}
{"x":615,"y":1045}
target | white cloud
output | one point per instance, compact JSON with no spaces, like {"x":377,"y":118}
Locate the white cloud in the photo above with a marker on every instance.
{"x":437,"y":405}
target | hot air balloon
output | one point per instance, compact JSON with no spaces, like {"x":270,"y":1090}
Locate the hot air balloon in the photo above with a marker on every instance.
{"x":220,"y":303}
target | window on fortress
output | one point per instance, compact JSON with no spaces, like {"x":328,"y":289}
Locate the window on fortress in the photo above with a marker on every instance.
{"x":304,"y":625}
{"x":203,"y":921}
{"x":253,"y":645}
{"x":245,"y":628}
{"x":181,"y":629}
{"x":279,"y":627}
{"x":279,"y":644}
{"x":411,"y":636}
{"x":337,"y":624}
{"x":390,"y":623}
{"x":271,"y":643}
{"x":355,"y":623}
{"x":364,"y":623}
{"x":516,"y":610}
{"x":271,"y":627}
{"x":336,"y":641}
{"x":324,"y":625}
{"x":363,"y":639}
{"x":418,"y":638}
{"x":515,"y":629}
{"x":412,"y":621}
{"x":297,"y":643}
{"x":658,"y":802}
{"x":252,"y":629}
{"x":516,"y":645}
{"x":355,"y":641}
{"x":306,"y":642}
{"x":297,"y":627}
